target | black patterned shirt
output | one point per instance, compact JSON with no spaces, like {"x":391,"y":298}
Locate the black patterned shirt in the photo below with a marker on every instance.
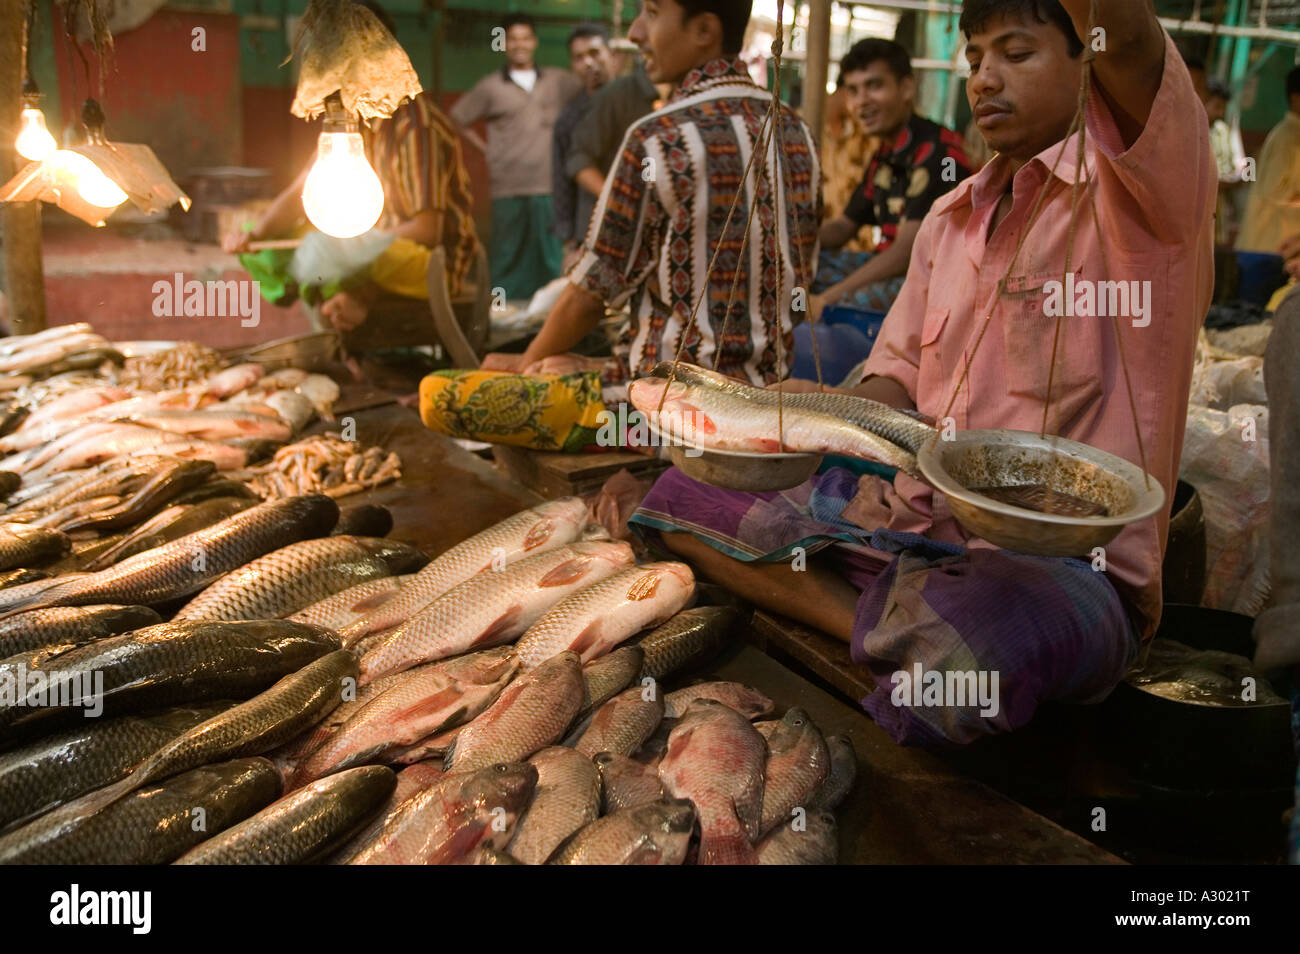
{"x":662,"y":214}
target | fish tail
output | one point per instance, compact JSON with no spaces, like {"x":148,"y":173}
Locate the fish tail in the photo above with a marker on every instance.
{"x":726,"y":848}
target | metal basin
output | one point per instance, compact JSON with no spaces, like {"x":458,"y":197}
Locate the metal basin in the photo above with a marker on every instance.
{"x":754,"y":473}
{"x":1002,"y":458}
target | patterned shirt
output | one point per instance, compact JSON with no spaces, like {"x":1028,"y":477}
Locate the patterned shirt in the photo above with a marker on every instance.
{"x":416,"y":154}
{"x":661,"y":215}
{"x":905,"y":176}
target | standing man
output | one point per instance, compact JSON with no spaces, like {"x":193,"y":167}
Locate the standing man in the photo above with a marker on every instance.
{"x":661,"y":214}
{"x":597,"y":140}
{"x":915,"y":163}
{"x":593,"y":62}
{"x":1273,"y":206}
{"x":914,"y":589}
{"x":520,"y":104}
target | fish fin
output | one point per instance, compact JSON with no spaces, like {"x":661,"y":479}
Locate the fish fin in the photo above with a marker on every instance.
{"x":644,"y":587}
{"x":539,"y":534}
{"x":567,"y":572}
{"x":499,"y":628}
{"x":727,"y":848}
{"x":587,"y":638}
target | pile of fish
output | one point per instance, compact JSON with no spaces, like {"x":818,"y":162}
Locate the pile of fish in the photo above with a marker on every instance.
{"x":97,"y":465}
{"x":268,"y":690}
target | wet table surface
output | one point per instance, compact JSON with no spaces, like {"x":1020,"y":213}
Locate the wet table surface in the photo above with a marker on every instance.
{"x":907,"y":807}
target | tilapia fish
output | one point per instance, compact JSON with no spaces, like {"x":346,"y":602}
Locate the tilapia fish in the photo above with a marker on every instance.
{"x":446,"y":822}
{"x":655,"y":834}
{"x":716,"y":758}
{"x":798,"y":762}
{"x":63,"y":766}
{"x":495,"y":607}
{"x":190,"y":563}
{"x":303,"y":826}
{"x":434,"y":698}
{"x":167,"y":664}
{"x":624,"y":723}
{"x":626,"y":783}
{"x":23,"y":546}
{"x":567,"y":797}
{"x":70,"y":624}
{"x":598,"y":618}
{"x":529,"y":715}
{"x":688,"y":639}
{"x":750,"y":703}
{"x":296,"y":576}
{"x":843,"y":772}
{"x":544,"y":527}
{"x":151,"y":826}
{"x":606,"y":676}
{"x":816,"y":843}
{"x":412,"y":779}
{"x":734,"y":420}
{"x":345,"y":607}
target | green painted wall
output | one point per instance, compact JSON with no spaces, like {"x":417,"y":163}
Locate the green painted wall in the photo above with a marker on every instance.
{"x":467,"y":35}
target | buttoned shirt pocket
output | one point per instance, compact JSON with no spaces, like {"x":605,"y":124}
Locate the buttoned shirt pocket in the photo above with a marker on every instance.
{"x":930,"y":381}
{"x":1028,"y":313}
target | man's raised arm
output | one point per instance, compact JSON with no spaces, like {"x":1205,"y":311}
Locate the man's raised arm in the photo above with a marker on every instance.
{"x":1130,"y":66}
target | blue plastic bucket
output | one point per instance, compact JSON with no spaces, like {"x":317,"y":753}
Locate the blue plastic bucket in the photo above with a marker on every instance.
{"x":840,"y":346}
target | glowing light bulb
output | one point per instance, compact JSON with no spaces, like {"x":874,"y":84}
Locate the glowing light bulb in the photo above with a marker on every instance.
{"x":342,"y":195}
{"x":90,"y":182}
{"x":34,"y":140}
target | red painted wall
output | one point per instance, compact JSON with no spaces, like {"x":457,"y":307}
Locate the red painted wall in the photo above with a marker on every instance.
{"x":184,"y":104}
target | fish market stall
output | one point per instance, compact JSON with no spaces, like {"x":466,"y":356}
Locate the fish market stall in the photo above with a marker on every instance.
{"x":350,"y":640}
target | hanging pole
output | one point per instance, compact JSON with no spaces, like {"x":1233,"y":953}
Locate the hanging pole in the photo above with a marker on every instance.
{"x":20,"y":222}
{"x":817,"y":66}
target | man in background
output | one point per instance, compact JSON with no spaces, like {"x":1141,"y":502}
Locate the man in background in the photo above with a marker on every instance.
{"x":916,"y":162}
{"x":1273,"y":206}
{"x":1227,"y":157}
{"x":593,"y":62}
{"x":597,"y":140}
{"x":520,"y":104}
{"x":651,"y":242}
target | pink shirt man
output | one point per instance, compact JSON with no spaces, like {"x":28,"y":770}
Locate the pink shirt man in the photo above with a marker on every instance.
{"x":1154,"y":206}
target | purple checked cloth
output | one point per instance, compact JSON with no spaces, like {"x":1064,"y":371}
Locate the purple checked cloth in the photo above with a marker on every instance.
{"x":1051,"y":629}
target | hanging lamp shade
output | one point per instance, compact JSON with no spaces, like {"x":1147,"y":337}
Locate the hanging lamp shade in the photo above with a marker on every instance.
{"x":132,"y":167}
{"x":343,"y":48}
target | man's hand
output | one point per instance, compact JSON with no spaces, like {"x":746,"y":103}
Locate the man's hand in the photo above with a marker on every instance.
{"x":502,"y":362}
{"x":345,"y":312}
{"x":817,"y":303}
{"x":236,"y":243}
{"x":565,"y":364}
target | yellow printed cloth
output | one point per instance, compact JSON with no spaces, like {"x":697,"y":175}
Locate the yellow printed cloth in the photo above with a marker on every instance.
{"x":550,"y":412}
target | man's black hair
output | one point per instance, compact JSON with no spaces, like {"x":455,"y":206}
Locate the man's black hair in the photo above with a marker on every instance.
{"x":584,"y":30}
{"x":519,"y":19}
{"x":1219,"y":88}
{"x":975,"y":15}
{"x":865,"y":52}
{"x":382,"y":15}
{"x":734,"y":15}
{"x":1293,"y":82}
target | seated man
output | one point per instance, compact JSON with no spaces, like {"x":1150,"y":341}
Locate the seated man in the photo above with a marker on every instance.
{"x":919,"y":592}
{"x":915,"y":163}
{"x":661,"y":214}
{"x":427,"y":202}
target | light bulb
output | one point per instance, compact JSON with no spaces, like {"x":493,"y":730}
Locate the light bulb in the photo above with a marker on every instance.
{"x":342,"y":195}
{"x":90,"y":182}
{"x":34,"y":140}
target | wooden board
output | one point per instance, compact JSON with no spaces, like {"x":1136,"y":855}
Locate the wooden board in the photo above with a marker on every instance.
{"x":560,"y":475}
{"x":824,"y":656}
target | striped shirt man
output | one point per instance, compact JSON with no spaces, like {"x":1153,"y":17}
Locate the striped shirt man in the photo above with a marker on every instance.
{"x":416,"y":154}
{"x":661,"y":216}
